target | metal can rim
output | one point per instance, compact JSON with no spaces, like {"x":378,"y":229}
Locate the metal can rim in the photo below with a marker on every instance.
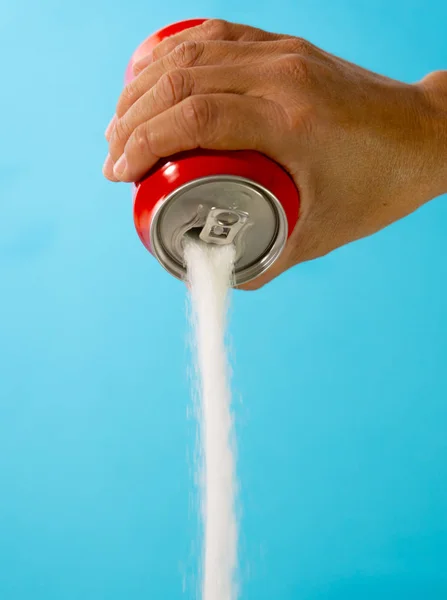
{"x":242,"y":276}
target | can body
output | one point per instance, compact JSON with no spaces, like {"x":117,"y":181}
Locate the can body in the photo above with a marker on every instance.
{"x":239,"y":197}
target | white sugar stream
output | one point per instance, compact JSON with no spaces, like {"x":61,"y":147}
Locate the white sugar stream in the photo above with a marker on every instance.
{"x":209,"y":274}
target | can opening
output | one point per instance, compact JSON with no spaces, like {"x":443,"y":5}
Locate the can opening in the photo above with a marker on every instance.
{"x":193,"y":233}
{"x":220,"y":210}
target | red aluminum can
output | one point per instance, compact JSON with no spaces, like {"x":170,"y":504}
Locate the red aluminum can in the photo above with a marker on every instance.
{"x":240,"y":197}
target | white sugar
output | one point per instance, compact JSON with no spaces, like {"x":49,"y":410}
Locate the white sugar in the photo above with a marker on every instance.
{"x":210,"y":270}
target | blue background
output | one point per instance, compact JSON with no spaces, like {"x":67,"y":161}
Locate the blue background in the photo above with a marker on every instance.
{"x":340,"y":375}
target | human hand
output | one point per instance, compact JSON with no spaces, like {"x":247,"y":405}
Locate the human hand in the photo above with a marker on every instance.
{"x":363,"y":150}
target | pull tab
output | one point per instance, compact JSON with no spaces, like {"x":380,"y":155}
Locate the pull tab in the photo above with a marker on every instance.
{"x":222,"y":225}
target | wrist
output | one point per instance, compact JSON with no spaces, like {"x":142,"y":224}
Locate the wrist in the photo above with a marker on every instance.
{"x":434,"y":107}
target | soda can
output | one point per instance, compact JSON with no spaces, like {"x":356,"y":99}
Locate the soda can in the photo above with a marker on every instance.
{"x":236,"y":197}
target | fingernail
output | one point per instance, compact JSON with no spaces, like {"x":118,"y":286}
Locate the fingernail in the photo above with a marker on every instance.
{"x":107,"y":168}
{"x":120,"y":167}
{"x":110,"y":127}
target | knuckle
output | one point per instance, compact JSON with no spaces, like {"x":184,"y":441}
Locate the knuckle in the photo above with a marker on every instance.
{"x":187,"y":54}
{"x":302,"y":46}
{"x":174,"y":86}
{"x":296,"y":67}
{"x":197,"y":117}
{"x":141,"y":140}
{"x":286,"y":46}
{"x":217,"y":29}
{"x":121,"y":132}
{"x":127,"y":98}
{"x":159,"y":50}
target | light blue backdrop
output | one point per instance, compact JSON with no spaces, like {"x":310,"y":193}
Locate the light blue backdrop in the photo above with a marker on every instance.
{"x":339,"y":365}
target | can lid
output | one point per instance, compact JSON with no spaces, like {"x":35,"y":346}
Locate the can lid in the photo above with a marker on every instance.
{"x":221,"y":209}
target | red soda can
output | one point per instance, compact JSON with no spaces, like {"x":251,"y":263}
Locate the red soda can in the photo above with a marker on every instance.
{"x":239,"y":197}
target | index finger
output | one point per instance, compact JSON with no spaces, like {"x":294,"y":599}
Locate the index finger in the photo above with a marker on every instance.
{"x":194,"y":54}
{"x":210,"y":30}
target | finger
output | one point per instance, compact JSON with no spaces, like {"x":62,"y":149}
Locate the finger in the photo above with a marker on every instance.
{"x":198,"y":35}
{"x":214,"y":122}
{"x":109,"y":130}
{"x":175,"y":86}
{"x":197,"y":54}
{"x":209,"y":52}
{"x":214,"y":29}
{"x":107,"y":169}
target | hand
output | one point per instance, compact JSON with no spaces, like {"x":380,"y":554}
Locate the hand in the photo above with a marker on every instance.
{"x":364,"y":150}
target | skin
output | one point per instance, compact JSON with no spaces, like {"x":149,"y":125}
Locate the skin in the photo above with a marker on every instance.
{"x":363,"y":150}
